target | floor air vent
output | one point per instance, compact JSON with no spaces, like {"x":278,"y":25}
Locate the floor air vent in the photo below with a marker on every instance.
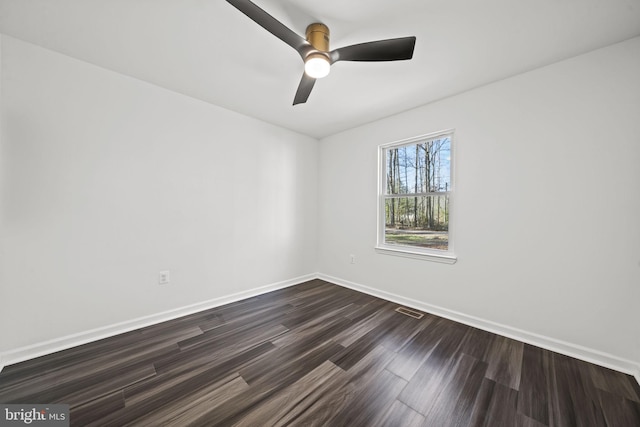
{"x":410,"y":313}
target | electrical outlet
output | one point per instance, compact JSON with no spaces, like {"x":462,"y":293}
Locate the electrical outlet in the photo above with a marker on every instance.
{"x":163,"y":277}
{"x":353,"y":259}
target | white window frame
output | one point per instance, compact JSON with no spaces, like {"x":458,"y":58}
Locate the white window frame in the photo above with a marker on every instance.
{"x":443,"y":256}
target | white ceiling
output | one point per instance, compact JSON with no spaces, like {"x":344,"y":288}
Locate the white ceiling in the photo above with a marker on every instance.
{"x":208,"y":50}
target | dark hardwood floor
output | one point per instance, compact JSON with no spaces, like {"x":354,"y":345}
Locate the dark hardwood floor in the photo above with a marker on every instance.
{"x":319,"y":354}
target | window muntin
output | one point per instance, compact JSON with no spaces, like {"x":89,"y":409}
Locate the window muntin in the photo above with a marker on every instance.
{"x":415,"y":195}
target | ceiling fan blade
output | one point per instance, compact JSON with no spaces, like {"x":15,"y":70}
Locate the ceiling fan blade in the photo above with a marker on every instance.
{"x":381,"y":50}
{"x":272,"y":25}
{"x":304,"y":89}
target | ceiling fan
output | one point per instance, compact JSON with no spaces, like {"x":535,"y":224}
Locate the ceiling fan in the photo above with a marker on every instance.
{"x":315,"y":52}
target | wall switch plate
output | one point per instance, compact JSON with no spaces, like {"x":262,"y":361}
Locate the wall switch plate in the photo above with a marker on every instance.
{"x":163,"y":277}
{"x":353,"y":259}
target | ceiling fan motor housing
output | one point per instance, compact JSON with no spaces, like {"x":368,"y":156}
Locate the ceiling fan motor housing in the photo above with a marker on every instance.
{"x":318,"y":36}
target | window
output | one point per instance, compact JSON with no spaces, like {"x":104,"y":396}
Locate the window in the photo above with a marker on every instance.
{"x":414,"y":208}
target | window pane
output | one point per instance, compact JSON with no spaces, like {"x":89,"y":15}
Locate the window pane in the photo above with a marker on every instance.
{"x":418,"y":221}
{"x":424,"y":167}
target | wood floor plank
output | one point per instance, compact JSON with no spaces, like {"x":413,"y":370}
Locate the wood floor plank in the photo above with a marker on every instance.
{"x":247,"y":309}
{"x":214,"y":338}
{"x":408,"y":327}
{"x":76,"y":393}
{"x":357,"y":380}
{"x":187,"y":377}
{"x":88,"y":412}
{"x":317,"y":354}
{"x":362,"y":327}
{"x":72,"y":389}
{"x":413,"y":354}
{"x":368,"y":306}
{"x":613,"y":382}
{"x":400,"y":414}
{"x":212,"y":323}
{"x":290,"y":403}
{"x":105,"y":353}
{"x":619,"y":411}
{"x":573,"y":400}
{"x":392,"y":334}
{"x":533,"y":399}
{"x":481,"y":404}
{"x":408,"y":361}
{"x":365,"y":395}
{"x":372,"y":402}
{"x":433,"y":374}
{"x":290,"y":363}
{"x":327,"y":326}
{"x":524,"y":421}
{"x":453,"y":404}
{"x":297,"y":320}
{"x":219,"y":349}
{"x":307,"y":293}
{"x":504,"y":357}
{"x":268,"y":377}
{"x":502,"y":409}
{"x":476,"y":343}
{"x":186,"y":410}
{"x":163,"y":390}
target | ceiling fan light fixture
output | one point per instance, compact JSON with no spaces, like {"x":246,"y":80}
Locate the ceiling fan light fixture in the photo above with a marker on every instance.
{"x":317,"y":65}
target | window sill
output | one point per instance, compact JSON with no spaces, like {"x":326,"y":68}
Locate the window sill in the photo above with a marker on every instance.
{"x":444,"y":258}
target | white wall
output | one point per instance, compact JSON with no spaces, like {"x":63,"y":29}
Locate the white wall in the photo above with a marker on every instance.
{"x":107,"y":180}
{"x":547,"y":220}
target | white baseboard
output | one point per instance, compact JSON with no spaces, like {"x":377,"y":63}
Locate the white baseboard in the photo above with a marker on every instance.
{"x":31,"y":352}
{"x":579,"y":352}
